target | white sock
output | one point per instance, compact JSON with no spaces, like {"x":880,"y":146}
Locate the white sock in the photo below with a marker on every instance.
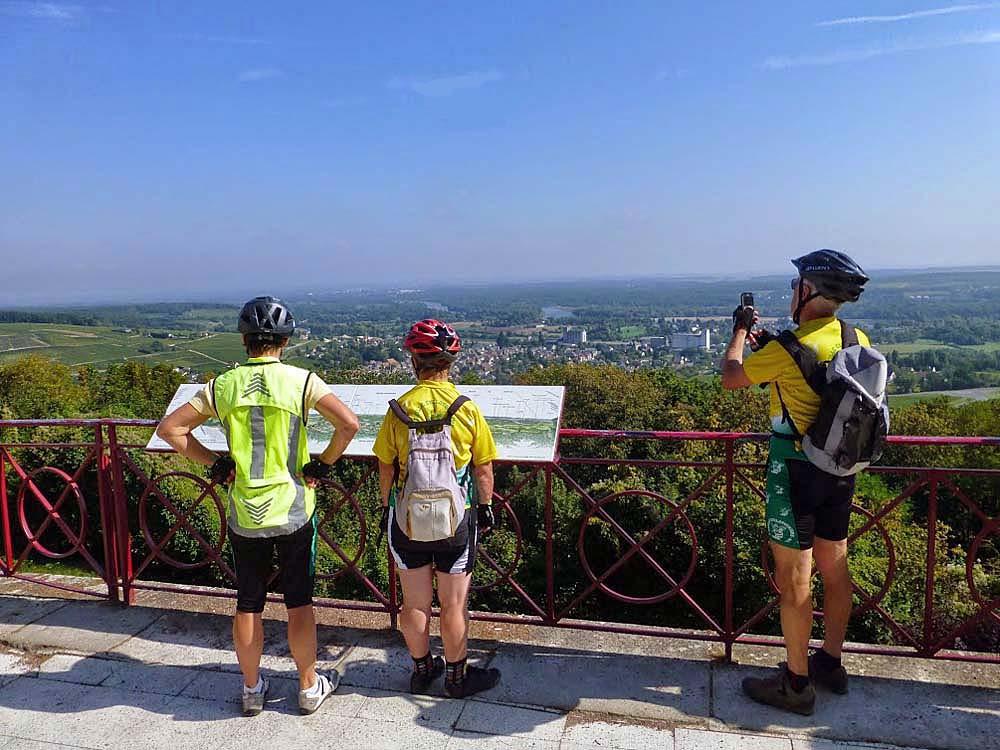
{"x":316,"y":690}
{"x":256,"y":688}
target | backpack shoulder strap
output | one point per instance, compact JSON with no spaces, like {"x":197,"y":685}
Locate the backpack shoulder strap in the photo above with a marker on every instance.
{"x":785,"y":414}
{"x":430,"y":424}
{"x":457,"y":404}
{"x":400,"y":413}
{"x":848,"y":335}
{"x":803,"y":357}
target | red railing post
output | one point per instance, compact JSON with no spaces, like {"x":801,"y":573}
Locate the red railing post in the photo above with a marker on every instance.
{"x":8,"y":541}
{"x":550,"y":573}
{"x":109,"y":525}
{"x":931,"y":572}
{"x":393,"y":588}
{"x":121,"y":517}
{"x":728,"y":624}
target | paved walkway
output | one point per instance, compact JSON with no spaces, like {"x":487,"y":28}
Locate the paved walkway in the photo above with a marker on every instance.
{"x":94,"y":675}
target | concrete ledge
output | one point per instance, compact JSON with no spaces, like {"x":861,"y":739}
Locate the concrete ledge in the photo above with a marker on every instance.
{"x":150,"y":677}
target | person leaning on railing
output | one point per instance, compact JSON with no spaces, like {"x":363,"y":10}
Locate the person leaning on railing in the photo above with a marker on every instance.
{"x":808,"y":510}
{"x":264,"y":407}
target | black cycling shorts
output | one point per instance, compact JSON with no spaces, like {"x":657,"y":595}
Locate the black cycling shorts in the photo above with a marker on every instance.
{"x":254,"y":562}
{"x":803,"y":501}
{"x":453,"y":556}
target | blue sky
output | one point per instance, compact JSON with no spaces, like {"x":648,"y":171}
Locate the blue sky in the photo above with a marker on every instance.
{"x":166,"y":149}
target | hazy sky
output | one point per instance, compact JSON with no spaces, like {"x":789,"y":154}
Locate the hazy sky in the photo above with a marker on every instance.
{"x":152,"y":149}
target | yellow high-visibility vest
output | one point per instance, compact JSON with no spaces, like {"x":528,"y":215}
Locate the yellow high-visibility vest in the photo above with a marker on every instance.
{"x":262,"y":408}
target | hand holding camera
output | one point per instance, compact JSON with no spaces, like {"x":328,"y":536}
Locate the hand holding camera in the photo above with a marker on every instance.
{"x":745,"y":316}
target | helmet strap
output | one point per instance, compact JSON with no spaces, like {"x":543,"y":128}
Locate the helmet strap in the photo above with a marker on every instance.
{"x":803,"y":301}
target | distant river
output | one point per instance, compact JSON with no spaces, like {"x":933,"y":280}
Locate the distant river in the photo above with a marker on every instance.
{"x":556,"y":313}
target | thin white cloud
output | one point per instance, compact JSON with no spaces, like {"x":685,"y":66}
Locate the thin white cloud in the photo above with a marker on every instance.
{"x":856,"y":54}
{"x":946,"y":11}
{"x":260,"y":74}
{"x":48,"y":11}
{"x":445,"y":85}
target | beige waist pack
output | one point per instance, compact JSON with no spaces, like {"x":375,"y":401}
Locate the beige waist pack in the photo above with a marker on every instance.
{"x":431,"y":505}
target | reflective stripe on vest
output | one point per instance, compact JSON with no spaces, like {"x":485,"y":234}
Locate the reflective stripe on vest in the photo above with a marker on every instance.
{"x":260,"y":405}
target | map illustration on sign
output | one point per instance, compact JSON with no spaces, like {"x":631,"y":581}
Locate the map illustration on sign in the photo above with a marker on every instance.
{"x":524,"y":419}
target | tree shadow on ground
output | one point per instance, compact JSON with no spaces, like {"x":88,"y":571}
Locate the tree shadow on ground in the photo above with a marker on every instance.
{"x":180,"y":666}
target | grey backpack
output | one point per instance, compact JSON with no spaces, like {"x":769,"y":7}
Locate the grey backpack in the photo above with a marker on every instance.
{"x":431,"y":505}
{"x":853,"y":421}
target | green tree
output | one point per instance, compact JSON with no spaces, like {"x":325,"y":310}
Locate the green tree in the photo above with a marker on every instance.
{"x":35,"y":387}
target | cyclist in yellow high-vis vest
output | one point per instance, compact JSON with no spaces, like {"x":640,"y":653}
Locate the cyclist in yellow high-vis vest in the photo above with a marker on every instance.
{"x":264,"y":407}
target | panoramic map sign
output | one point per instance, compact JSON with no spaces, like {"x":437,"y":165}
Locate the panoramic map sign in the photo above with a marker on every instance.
{"x":524,"y":419}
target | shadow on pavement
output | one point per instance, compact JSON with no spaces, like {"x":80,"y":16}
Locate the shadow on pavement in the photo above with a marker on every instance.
{"x":181,"y":665}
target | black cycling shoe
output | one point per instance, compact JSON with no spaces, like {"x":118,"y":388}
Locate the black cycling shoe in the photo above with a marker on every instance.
{"x":421,"y":683}
{"x":476,"y":680}
{"x":833,"y":679}
{"x":777,"y":691}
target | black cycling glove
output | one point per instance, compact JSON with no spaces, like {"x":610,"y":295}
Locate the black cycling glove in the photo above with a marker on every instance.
{"x":484,"y":517}
{"x":761,"y":339}
{"x":743,"y":318}
{"x":383,"y":525}
{"x":316,"y":469}
{"x":221,"y":470}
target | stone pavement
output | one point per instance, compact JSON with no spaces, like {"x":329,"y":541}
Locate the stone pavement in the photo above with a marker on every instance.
{"x":94,"y":675}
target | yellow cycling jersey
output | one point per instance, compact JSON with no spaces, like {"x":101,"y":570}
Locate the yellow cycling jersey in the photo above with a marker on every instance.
{"x":471,"y":439}
{"x":773,"y":365}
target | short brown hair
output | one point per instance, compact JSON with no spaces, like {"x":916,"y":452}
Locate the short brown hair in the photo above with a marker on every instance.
{"x":435,"y":362}
{"x":263,"y":344}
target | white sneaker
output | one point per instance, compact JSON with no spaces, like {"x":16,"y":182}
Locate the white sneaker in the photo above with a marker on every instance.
{"x":253,"y":700}
{"x":312,"y":699}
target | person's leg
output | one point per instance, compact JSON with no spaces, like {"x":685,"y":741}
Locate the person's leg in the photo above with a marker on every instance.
{"x":838,"y":598}
{"x":793,"y":573}
{"x":790,"y":527}
{"x":454,"y":579}
{"x":252,"y":562}
{"x":297,"y":554}
{"x":415,"y":618}
{"x":248,"y":638}
{"x":302,"y":643}
{"x":453,"y":595}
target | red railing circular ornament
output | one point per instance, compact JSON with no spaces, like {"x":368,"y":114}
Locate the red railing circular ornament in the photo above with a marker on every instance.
{"x":76,"y":541}
{"x":212,"y":554}
{"x":870,"y":600}
{"x":598,"y":580}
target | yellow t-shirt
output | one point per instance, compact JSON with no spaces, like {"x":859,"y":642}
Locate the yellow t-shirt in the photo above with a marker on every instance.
{"x":471,"y":439}
{"x":774,"y":365}
{"x":316,"y":389}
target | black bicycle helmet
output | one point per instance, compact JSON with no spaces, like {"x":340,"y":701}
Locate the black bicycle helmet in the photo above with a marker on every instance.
{"x":266,"y":316}
{"x":833,"y":274}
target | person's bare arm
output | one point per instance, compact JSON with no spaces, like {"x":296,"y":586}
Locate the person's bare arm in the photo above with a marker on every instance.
{"x":345,"y":426}
{"x":175,"y":429}
{"x":484,"y":482}
{"x":386,"y":473}
{"x":733,"y":375}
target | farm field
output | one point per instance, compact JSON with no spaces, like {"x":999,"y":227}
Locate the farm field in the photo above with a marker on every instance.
{"x":956,"y":397}
{"x":102,"y":346}
{"x":922,"y":345}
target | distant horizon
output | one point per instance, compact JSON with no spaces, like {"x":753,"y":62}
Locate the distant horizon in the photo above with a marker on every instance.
{"x":236,"y":297}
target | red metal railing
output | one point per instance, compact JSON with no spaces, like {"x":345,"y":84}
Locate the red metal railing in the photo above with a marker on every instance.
{"x":49,"y":511}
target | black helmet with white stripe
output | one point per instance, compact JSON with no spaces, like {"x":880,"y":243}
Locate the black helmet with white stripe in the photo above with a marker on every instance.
{"x":833,"y":274}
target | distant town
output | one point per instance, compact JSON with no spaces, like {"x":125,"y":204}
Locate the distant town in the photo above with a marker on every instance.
{"x":938,"y":328}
